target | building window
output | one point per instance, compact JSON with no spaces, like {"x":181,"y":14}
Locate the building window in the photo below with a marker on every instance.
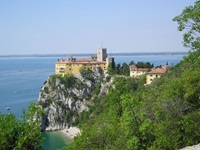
{"x":61,"y":70}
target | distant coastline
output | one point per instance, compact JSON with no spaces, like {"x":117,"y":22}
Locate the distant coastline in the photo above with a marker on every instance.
{"x":89,"y":54}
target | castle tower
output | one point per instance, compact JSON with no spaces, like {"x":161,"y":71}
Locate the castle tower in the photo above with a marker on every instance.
{"x":101,"y":54}
{"x":69,"y":57}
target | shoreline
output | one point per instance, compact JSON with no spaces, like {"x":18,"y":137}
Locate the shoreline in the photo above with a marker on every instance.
{"x":70,"y":132}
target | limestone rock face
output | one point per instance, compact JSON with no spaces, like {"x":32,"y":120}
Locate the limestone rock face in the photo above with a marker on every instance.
{"x":194,"y":147}
{"x":63,"y":99}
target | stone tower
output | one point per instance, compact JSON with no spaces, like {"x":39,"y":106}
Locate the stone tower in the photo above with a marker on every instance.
{"x":101,"y":54}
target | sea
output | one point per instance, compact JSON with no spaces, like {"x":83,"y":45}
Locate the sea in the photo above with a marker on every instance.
{"x":22,"y":76}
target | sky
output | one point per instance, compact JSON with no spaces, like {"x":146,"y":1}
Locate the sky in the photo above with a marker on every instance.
{"x":83,"y":26}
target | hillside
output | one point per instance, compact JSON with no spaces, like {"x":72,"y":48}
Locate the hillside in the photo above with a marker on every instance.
{"x":163,"y":115}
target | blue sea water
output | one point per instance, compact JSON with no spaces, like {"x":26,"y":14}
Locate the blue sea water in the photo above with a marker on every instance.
{"x":54,"y":140}
{"x":21,"y":79}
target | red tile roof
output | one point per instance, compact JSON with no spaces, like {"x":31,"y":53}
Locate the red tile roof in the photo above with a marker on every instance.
{"x":157,"y":71}
{"x":134,"y":68}
{"x":80,"y":61}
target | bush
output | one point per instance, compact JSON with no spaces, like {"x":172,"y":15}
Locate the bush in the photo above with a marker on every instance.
{"x":20,"y":134}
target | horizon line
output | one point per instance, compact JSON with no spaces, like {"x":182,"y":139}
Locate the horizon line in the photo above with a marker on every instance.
{"x":86,"y":54}
{"x":91,"y":53}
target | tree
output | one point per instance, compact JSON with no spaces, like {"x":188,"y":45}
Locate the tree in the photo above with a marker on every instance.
{"x":20,"y":134}
{"x":125,"y":70}
{"x":141,"y":64}
{"x":118,"y":67}
{"x":111,"y":68}
{"x":189,"y":21}
{"x":132,"y":63}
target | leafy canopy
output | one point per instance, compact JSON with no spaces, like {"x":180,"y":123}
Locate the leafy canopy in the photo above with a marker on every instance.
{"x":189,"y":21}
{"x":20,"y":134}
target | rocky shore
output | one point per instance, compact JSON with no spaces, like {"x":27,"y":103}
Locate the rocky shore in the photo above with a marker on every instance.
{"x":71,"y":132}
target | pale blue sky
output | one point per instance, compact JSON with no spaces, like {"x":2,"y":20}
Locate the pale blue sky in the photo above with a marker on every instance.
{"x":79,"y":26}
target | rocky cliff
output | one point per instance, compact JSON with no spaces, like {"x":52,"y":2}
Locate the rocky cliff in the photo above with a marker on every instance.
{"x":64,"y":98}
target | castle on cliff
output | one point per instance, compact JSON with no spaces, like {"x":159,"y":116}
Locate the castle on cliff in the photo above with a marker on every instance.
{"x":74,"y":65}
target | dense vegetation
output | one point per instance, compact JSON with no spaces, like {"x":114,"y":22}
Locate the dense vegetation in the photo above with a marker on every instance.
{"x":20,"y":134}
{"x":124,"y":68}
{"x":189,"y":22}
{"x":163,"y":115}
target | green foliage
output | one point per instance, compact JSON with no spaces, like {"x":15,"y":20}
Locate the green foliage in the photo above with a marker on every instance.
{"x":108,"y":78}
{"x":189,"y":22}
{"x":163,"y":115}
{"x":45,"y":103}
{"x":46,"y":90}
{"x":52,"y":81}
{"x":20,"y":134}
{"x":131,"y":63}
{"x":125,"y":70}
{"x":144,"y":65}
{"x":88,"y":75}
{"x":111,"y":69}
{"x":68,"y":81}
{"x":97,"y":87}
